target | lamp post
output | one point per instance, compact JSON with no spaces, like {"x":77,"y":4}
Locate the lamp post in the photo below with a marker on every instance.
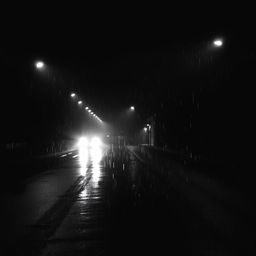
{"x":149,"y":134}
{"x":147,"y":130}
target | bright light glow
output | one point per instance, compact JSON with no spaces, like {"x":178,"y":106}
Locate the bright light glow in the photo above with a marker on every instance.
{"x":96,"y":174}
{"x":218,"y":42}
{"x":83,"y":154}
{"x":132,"y":108}
{"x":39,"y":64}
{"x":96,"y":142}
{"x":83,"y":157}
{"x":148,"y":125}
{"x":84,"y":193}
{"x":96,"y":156}
{"x":83,"y":142}
{"x":89,"y":111}
{"x":80,"y":102}
{"x":145,"y":129}
{"x":86,"y":108}
{"x":73,"y":95}
{"x":108,"y":135}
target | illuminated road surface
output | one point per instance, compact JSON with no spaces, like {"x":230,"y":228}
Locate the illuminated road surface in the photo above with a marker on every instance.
{"x":103,"y":201}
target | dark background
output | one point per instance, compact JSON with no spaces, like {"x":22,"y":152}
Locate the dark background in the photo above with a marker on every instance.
{"x":202,"y":98}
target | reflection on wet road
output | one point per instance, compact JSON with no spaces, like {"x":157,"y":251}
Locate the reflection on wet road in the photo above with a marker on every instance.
{"x":115,"y":205}
{"x":83,"y":229}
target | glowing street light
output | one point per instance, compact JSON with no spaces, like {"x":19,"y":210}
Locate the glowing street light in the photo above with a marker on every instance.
{"x":217,"y":42}
{"x":145,"y":129}
{"x":80,"y":102}
{"x":39,"y":64}
{"x":132,"y":108}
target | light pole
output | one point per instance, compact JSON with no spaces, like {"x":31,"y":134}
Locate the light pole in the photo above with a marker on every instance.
{"x":147,"y":130}
{"x":149,"y":134}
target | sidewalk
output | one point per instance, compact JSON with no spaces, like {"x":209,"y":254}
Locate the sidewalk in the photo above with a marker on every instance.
{"x":18,"y":168}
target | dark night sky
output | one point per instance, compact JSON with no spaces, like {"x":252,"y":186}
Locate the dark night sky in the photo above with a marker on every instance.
{"x":113,"y":65}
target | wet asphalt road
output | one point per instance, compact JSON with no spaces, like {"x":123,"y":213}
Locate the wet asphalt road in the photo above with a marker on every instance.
{"x":104,"y":201}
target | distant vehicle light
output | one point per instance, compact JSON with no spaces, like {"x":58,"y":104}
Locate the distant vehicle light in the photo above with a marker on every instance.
{"x":83,"y":142}
{"x":96,"y":142}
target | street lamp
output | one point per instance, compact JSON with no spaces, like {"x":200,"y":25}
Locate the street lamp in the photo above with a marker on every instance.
{"x":218,"y":42}
{"x":80,"y":102}
{"x":132,"y":108}
{"x":73,"y":95}
{"x":39,"y":65}
{"x":147,"y":130}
